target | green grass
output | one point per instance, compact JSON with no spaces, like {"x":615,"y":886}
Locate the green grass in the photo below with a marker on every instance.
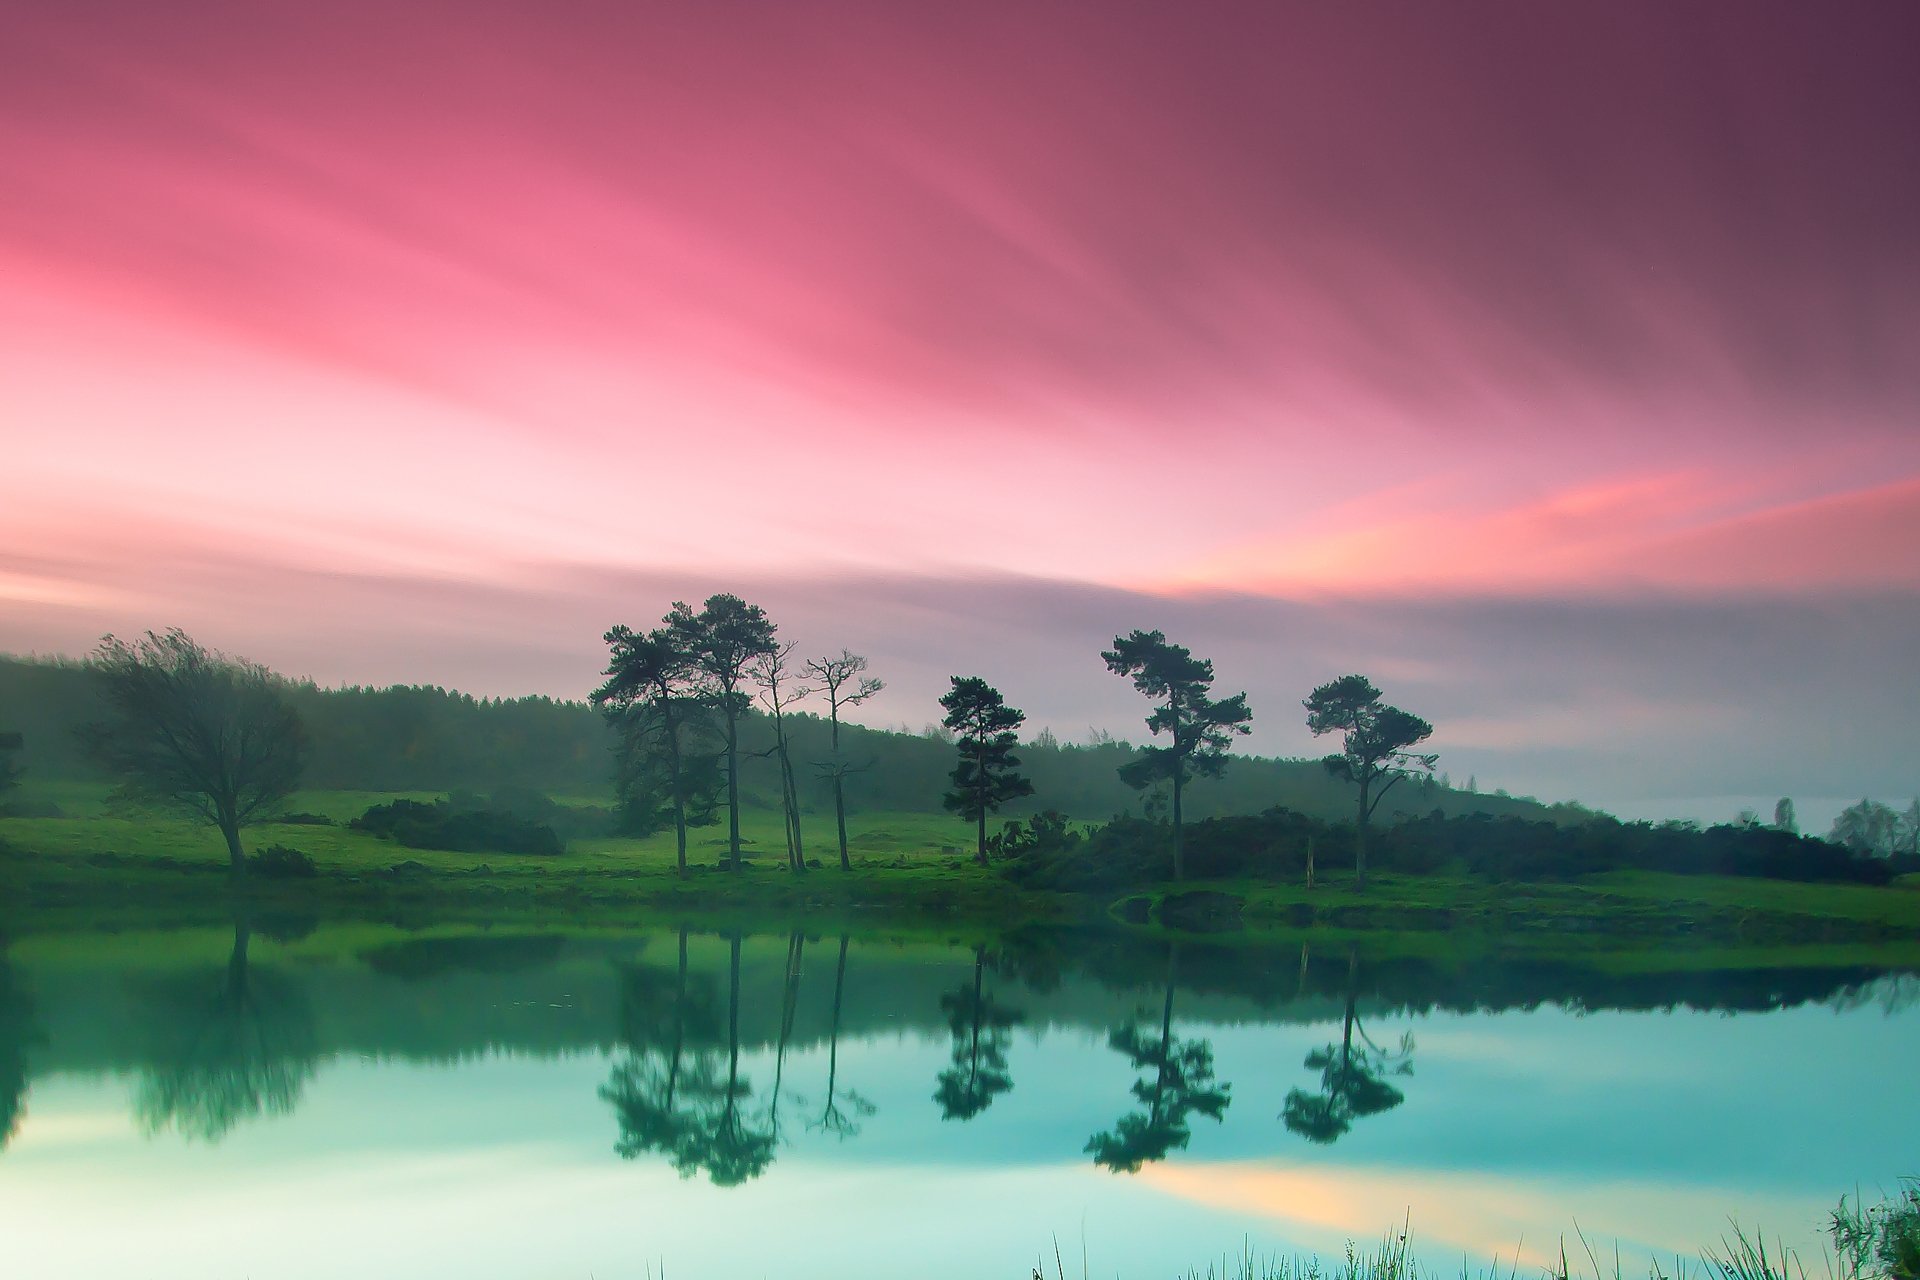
{"x":98,"y":855}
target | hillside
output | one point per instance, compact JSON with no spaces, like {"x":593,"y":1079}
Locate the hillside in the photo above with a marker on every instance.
{"x":415,"y":738}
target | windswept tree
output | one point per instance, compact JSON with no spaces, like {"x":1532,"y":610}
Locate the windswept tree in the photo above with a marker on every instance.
{"x":1376,"y":748}
{"x":226,"y":1049}
{"x":653,"y":698}
{"x":724,"y":639}
{"x":989,"y":774}
{"x":1199,"y":728}
{"x":1783,"y":817}
{"x":778,"y":693}
{"x":846,"y":684}
{"x":197,"y":730}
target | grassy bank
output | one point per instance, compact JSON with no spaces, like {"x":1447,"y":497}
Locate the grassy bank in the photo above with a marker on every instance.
{"x":913,"y":866}
{"x":1868,"y":1242}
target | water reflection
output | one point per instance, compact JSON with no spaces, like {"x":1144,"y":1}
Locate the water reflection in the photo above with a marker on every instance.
{"x":841,"y":1121}
{"x":1353,"y":1078}
{"x":981,"y":1028}
{"x":17,"y":1032}
{"x":226,"y":1046}
{"x":667,"y":1090}
{"x":689,"y":1022}
{"x":1179,"y":1083}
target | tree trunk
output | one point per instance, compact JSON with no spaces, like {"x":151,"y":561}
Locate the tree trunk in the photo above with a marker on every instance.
{"x":839,"y":795}
{"x":679,"y":797}
{"x":1360,"y":837}
{"x":236,"y":856}
{"x":1179,"y":841}
{"x":980,"y":782}
{"x":790,"y":800}
{"x":840,"y":821}
{"x":1309,"y":862}
{"x":733,"y":785}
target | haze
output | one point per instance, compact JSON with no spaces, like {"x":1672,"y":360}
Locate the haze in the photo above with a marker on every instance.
{"x":1557,"y":368}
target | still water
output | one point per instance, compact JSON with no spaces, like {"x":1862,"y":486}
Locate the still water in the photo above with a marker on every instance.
{"x":281,"y":1101}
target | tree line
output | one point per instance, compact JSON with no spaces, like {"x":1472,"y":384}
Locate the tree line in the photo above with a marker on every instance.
{"x":676,"y":694}
{"x":224,"y":739}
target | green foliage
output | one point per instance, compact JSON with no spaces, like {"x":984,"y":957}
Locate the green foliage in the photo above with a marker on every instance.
{"x":1376,"y":738}
{"x":195,"y":729}
{"x":988,"y":774}
{"x":415,"y":739}
{"x":451,"y":825}
{"x":1199,"y":728}
{"x":1881,"y":1241}
{"x":279,"y":862}
{"x":1128,"y":852}
{"x":668,"y":767}
{"x":982,"y":1030}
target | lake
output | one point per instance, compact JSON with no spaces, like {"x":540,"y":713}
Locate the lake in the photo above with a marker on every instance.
{"x":282,"y":1100}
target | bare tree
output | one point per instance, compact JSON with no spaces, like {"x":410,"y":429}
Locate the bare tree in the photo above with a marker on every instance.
{"x":846,"y":684}
{"x":777,"y":694}
{"x":193,"y":728}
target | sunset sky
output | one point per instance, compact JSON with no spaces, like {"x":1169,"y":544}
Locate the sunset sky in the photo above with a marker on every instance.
{"x":1558,"y":365}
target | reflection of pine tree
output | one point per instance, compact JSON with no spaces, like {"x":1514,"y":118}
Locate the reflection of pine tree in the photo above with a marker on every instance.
{"x":1352,"y":1078}
{"x":670,"y":1027}
{"x":724,"y":1144}
{"x":981,"y":1031}
{"x":17,"y":1032}
{"x":1181,"y":1083}
{"x":227,"y":1050}
{"x":668,"y":1092}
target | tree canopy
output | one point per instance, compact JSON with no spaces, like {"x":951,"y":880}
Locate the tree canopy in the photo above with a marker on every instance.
{"x":196,"y":729}
{"x":1376,"y":747}
{"x":988,"y":774}
{"x":1199,"y":727}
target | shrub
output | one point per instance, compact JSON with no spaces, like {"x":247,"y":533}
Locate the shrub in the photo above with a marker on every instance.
{"x":447,"y":826}
{"x":278,"y":862}
{"x":304,"y":820}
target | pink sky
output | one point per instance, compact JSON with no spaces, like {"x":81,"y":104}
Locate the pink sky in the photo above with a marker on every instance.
{"x":355,"y":340}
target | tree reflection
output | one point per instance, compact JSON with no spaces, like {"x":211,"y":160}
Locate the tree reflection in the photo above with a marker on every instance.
{"x":669,"y":1025}
{"x":981,"y":1029}
{"x":226,"y":1048}
{"x":789,"y":1006}
{"x":17,"y":1032}
{"x":1353,"y":1077}
{"x":834,"y":1119}
{"x":669,"y":1094}
{"x":1180,"y":1082}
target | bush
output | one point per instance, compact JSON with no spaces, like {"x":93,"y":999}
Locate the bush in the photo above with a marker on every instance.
{"x":304,"y":820}
{"x":448,"y":826}
{"x":278,"y":862}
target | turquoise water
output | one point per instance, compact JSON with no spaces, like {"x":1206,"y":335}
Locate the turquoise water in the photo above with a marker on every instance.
{"x":364,"y":1102}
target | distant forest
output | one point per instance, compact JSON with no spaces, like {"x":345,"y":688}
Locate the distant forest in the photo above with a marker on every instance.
{"x":428,"y":739}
